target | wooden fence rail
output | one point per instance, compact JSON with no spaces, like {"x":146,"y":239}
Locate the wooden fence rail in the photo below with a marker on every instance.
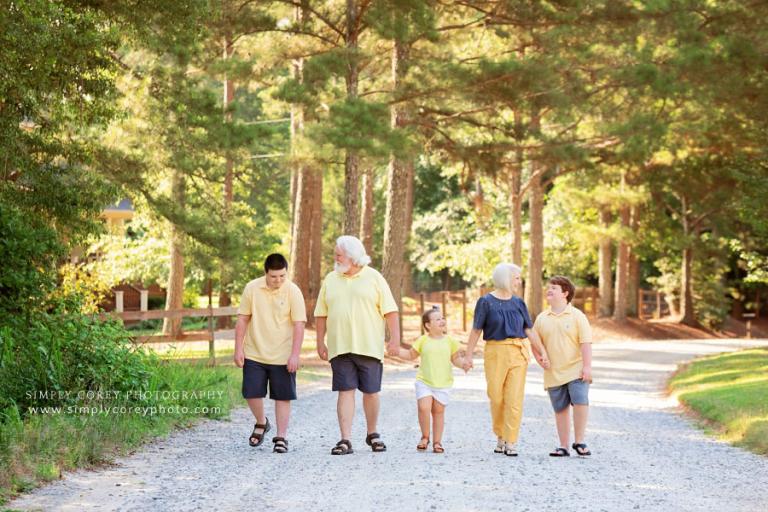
{"x":208,"y":335}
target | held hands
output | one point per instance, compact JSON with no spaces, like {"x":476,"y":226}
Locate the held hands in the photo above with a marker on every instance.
{"x":393,"y":347}
{"x":322,"y":350}
{"x":239,"y":358}
{"x":293,"y":363}
{"x":543,"y":361}
{"x":467,"y":362}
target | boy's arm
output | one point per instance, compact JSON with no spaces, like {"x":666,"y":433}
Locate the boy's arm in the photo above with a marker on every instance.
{"x":298,"y":339}
{"x":586,"y":358}
{"x":539,"y":352}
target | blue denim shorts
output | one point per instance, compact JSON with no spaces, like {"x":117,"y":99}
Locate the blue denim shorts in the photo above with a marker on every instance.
{"x":575,"y":392}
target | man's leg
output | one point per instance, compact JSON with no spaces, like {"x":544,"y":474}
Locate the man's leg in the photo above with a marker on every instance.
{"x":580,"y":414}
{"x":424,"y":405}
{"x":563,"y":423}
{"x":371,"y":404}
{"x":438,"y":420}
{"x":345,"y":410}
{"x":256,"y":405}
{"x":282,"y":415}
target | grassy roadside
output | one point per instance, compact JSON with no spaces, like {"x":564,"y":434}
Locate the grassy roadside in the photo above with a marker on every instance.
{"x":728,"y":393}
{"x":40,"y":447}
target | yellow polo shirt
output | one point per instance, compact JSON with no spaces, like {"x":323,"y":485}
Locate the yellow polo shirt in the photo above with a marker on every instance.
{"x":269,"y":336}
{"x":355,"y":307}
{"x":562,"y":335}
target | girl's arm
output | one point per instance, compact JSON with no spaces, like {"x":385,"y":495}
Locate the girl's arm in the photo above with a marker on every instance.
{"x":407,"y":353}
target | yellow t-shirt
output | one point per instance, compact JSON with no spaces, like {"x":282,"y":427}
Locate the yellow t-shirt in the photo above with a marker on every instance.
{"x":355,"y":307}
{"x":562,"y":335}
{"x":435,"y":366}
{"x":269,"y":336}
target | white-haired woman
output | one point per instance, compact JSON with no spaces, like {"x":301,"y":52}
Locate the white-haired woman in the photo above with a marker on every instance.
{"x":507,"y":329}
{"x":352,"y":307}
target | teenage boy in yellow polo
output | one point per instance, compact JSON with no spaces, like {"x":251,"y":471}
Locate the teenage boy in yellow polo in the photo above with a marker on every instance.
{"x":352,"y":307}
{"x":565,"y":333}
{"x":268,"y":337}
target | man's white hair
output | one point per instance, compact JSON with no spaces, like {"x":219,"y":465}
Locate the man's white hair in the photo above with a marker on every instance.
{"x":502,"y":275}
{"x":354,"y":249}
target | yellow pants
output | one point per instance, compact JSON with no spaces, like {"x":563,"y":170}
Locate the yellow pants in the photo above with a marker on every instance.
{"x":506,"y":364}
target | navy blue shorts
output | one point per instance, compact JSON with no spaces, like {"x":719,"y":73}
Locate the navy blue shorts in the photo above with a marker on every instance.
{"x":575,"y":392}
{"x":282,"y":384}
{"x":353,"y":371}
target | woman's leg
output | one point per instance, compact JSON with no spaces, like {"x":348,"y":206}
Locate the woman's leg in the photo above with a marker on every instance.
{"x":495,"y":373}
{"x":514,"y":392}
{"x":438,"y":421}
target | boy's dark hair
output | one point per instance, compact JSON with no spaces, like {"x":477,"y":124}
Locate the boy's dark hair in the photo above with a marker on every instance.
{"x":425,"y":318}
{"x":275,"y":261}
{"x":565,"y":284}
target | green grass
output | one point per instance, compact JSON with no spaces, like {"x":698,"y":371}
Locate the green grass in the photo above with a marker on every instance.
{"x":729,"y":392}
{"x":40,"y":447}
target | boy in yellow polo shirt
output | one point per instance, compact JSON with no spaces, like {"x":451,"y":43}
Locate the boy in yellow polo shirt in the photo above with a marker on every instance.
{"x":565,"y":333}
{"x":268,"y":337}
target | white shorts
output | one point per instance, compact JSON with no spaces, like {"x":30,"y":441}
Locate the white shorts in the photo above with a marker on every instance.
{"x":442,"y":395}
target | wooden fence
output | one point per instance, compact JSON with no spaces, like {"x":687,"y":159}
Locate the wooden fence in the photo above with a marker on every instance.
{"x":651,"y":303}
{"x":208,"y":334}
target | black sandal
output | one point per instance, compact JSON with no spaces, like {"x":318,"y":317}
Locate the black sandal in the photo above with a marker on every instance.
{"x":374,"y":441}
{"x":581,"y":449}
{"x":343,"y":447}
{"x":560,"y":452}
{"x":281,"y":445}
{"x":258,"y":437}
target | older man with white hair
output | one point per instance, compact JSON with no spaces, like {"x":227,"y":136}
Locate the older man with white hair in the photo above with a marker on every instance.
{"x":506,"y":325}
{"x":352,"y":307}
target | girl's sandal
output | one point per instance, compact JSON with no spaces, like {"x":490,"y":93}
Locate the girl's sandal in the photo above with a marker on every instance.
{"x":437,"y":447}
{"x":423,"y":444}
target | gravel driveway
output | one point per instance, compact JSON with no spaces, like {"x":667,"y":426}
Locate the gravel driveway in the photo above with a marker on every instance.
{"x":646,"y":456}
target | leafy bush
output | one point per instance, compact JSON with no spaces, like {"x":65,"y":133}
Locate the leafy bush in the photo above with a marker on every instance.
{"x":66,"y":352}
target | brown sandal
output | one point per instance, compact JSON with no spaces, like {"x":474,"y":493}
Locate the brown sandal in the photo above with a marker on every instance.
{"x":437,"y":447}
{"x":423,"y":444}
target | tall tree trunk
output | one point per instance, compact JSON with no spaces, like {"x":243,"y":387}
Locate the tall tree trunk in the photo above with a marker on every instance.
{"x":604,"y":260}
{"x":175,"y":290}
{"x":622,"y":268}
{"x":634,"y":264}
{"x":408,"y":276}
{"x":516,"y":211}
{"x":366,"y":211}
{"x":399,"y":174}
{"x":351,"y":221}
{"x":315,"y":241}
{"x":534,"y":285}
{"x":225,"y":257}
{"x":303,"y":188}
{"x":688,"y":315}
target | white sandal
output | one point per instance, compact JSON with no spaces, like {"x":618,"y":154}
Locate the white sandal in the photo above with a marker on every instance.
{"x":500,"y":446}
{"x":509,"y":450}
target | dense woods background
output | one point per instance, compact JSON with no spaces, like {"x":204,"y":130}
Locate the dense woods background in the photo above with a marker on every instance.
{"x":620,"y":143}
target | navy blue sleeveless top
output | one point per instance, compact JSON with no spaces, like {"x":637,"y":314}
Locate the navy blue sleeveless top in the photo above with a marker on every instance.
{"x":501,"y":319}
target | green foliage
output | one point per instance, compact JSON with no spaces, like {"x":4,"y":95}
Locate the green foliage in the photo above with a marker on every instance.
{"x":29,"y":252}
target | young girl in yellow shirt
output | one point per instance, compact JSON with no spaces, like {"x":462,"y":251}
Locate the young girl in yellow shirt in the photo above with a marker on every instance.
{"x":435,"y":377}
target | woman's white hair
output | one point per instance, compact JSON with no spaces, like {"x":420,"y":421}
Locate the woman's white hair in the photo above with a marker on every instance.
{"x":502,"y":275}
{"x":354,"y":249}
